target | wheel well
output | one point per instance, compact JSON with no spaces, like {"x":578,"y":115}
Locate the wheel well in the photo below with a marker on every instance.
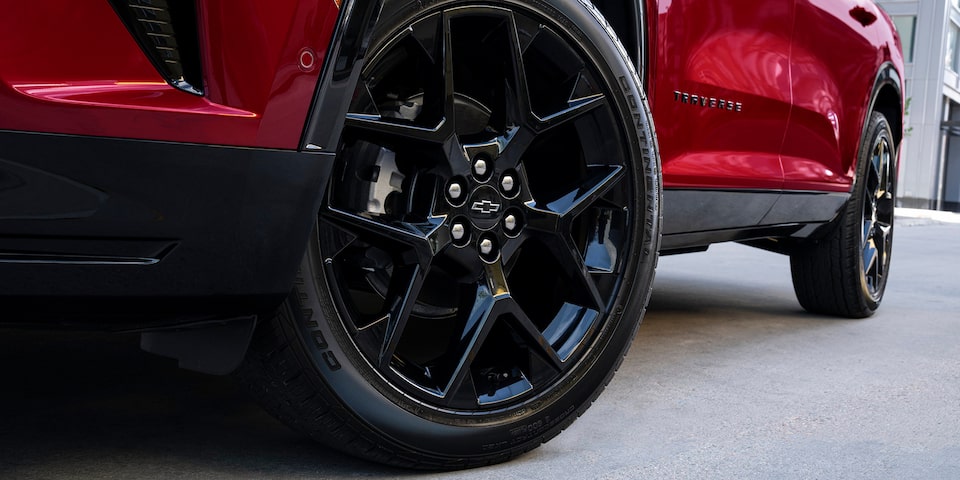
{"x":625,"y":19}
{"x":888,"y":103}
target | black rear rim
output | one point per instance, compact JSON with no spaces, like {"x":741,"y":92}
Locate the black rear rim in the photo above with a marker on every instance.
{"x":876,"y":238}
{"x":479,"y":226}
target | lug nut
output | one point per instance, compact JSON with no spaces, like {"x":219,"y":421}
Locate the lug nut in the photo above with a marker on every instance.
{"x":480,"y":167}
{"x":507,"y":183}
{"x":486,"y":246}
{"x":455,"y":191}
{"x":510,"y":223}
{"x":457,"y":231}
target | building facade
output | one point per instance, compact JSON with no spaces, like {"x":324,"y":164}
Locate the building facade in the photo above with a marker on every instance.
{"x":930,"y":156}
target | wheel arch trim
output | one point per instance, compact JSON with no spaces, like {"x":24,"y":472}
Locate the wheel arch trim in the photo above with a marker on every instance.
{"x":634,"y":34}
{"x":341,"y":70}
{"x":887,"y":97}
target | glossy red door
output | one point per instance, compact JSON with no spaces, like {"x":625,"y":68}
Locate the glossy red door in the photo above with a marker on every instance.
{"x":721,"y":92}
{"x":835,"y":60}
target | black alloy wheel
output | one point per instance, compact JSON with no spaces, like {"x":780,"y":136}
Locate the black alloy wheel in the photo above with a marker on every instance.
{"x":487,"y":245}
{"x":876,"y":238}
{"x":475,"y":249}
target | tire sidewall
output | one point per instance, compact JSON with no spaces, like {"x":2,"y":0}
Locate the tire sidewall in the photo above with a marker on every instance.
{"x":385,"y":411}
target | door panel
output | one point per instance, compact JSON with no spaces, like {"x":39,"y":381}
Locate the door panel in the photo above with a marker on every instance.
{"x":721,"y":95}
{"x":834,"y":63}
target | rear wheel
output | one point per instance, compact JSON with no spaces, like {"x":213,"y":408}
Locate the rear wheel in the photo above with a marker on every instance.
{"x":845,"y":274}
{"x":487,"y":247}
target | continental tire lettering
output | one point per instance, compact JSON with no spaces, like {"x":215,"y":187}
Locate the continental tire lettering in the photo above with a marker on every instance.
{"x":524,"y":433}
{"x":632,"y":100}
{"x":331,"y":361}
{"x":495,"y":446}
{"x":526,"y":430}
{"x":319,"y":339}
{"x":307,"y":314}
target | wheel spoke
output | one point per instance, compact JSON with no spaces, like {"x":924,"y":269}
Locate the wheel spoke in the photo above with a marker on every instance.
{"x":577,"y":109}
{"x":489,"y":150}
{"x":378,"y":126}
{"x":406,"y":285}
{"x":602,"y":249}
{"x":868,"y":226}
{"x":479,"y":322}
{"x":496,"y":279}
{"x":575,"y":270}
{"x":507,"y":149}
{"x":882,"y":237}
{"x":599,"y":180}
{"x":883,"y":174}
{"x":426,"y":239}
{"x":870,"y":263}
{"x":449,"y":98}
{"x":509,"y":251}
{"x":517,"y":93}
{"x":543,"y":345}
{"x":874,"y":176}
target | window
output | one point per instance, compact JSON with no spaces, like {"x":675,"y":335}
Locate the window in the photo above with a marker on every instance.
{"x":906,"y":24}
{"x":951,"y":57}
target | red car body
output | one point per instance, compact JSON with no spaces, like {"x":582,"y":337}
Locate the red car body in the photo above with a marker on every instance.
{"x":786,"y":67}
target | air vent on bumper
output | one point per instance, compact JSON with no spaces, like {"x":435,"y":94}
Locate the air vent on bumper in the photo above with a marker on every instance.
{"x":167,"y":33}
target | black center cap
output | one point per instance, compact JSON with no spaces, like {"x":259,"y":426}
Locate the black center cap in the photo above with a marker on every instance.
{"x":486,"y":206}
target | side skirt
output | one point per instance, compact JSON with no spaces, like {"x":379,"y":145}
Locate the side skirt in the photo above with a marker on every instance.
{"x":694,"y":219}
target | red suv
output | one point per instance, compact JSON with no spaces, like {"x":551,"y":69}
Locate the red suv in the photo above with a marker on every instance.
{"x":425,"y":231}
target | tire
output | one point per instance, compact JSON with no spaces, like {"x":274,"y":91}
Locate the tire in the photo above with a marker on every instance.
{"x":845,"y":274}
{"x":487,"y":246}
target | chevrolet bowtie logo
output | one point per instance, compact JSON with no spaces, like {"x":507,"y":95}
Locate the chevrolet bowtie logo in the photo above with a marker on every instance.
{"x":485,"y":207}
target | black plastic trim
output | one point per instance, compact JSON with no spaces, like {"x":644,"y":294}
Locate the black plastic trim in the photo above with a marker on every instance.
{"x":218,"y":230}
{"x":627,"y":20}
{"x":686,"y":211}
{"x":697,"y":218}
{"x":167,"y":33}
{"x":887,"y":75}
{"x":643,"y":47}
{"x":693,"y":241}
{"x":805,"y":207}
{"x":341,"y":72}
{"x":213,"y":347}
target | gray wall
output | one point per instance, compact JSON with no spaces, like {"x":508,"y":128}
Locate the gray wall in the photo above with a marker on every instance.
{"x":928,"y":84}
